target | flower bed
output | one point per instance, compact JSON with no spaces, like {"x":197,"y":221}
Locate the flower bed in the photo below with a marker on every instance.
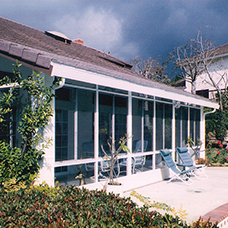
{"x":217,"y":156}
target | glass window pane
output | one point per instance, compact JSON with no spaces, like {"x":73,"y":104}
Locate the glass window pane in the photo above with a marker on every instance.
{"x":159,"y":126}
{"x":86,"y":103}
{"x":105,"y":119}
{"x":168,"y":126}
{"x":148,"y":124}
{"x":75,"y":174}
{"x":120,"y":117}
{"x":64,"y":122}
{"x":197,"y":125}
{"x":159,"y":163}
{"x":178,"y":127}
{"x":192,"y":124}
{"x":136,"y":122}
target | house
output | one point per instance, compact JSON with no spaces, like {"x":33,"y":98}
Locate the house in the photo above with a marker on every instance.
{"x":218,"y":71}
{"x":99,"y":97}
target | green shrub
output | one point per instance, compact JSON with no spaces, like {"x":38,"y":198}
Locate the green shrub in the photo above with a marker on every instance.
{"x":217,"y":156}
{"x":31,"y":100}
{"x":74,"y":207}
{"x":13,"y":167}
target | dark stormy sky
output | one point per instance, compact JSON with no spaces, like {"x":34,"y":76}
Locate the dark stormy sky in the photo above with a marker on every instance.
{"x":125,"y":28}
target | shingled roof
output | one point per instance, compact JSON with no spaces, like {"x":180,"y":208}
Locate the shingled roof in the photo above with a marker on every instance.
{"x":223,"y":49}
{"x":39,"y":49}
{"x":36,"y":43}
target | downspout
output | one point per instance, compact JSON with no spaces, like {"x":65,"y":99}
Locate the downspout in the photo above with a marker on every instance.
{"x":206,"y":113}
{"x":61,"y":84}
{"x":204,"y":132}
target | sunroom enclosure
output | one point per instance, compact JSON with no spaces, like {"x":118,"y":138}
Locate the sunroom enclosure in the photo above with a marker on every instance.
{"x":87,"y":115}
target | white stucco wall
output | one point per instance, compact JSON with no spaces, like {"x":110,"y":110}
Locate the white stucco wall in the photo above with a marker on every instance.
{"x":219,"y":73}
{"x":46,"y":173}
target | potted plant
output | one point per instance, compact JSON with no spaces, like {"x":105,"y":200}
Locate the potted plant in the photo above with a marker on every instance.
{"x":112,"y":157}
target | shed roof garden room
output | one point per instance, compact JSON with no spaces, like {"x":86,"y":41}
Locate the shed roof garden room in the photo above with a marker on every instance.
{"x":100,"y":97}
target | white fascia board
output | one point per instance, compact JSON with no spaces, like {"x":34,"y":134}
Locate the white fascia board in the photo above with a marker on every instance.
{"x":69,"y":72}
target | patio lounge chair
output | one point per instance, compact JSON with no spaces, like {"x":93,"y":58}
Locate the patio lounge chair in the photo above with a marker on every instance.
{"x":187,"y":161}
{"x":183,"y":176}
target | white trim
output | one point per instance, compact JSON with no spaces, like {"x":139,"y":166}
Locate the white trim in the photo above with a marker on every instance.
{"x":76,"y":125}
{"x":129,"y":132}
{"x":189,"y":124}
{"x":173,"y":127}
{"x":73,"y":73}
{"x":154,"y":136}
{"x":96,"y":134}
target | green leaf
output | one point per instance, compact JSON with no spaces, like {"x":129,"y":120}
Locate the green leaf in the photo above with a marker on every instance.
{"x":125,"y":148}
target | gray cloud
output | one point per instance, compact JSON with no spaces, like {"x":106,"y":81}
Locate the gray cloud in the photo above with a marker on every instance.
{"x":127,"y":28}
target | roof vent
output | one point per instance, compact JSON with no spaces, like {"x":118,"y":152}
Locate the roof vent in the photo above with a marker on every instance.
{"x":58,"y":36}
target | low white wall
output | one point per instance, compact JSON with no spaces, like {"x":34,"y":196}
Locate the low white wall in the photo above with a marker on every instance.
{"x":136,"y":180}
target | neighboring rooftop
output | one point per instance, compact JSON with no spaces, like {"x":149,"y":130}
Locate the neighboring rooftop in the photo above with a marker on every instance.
{"x":223,"y":49}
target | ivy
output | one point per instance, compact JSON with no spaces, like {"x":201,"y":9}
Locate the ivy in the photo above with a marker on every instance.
{"x":31,"y":99}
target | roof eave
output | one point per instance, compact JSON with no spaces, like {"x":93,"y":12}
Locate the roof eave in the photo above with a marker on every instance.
{"x":74,"y":73}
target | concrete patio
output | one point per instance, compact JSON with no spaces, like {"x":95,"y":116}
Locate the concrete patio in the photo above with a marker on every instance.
{"x":197,"y":199}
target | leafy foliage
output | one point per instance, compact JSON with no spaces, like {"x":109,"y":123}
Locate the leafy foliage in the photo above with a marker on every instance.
{"x":31,"y":99}
{"x":217,"y":156}
{"x":76,"y":207}
{"x":217,"y":124}
{"x":13,"y":166}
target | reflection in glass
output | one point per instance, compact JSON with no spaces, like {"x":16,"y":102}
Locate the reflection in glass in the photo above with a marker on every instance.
{"x":86,"y":103}
{"x":148,"y":124}
{"x":168,"y":126}
{"x":159,"y":126}
{"x":159,"y":163}
{"x":64,"y":124}
{"x":195,"y":125}
{"x":75,"y":174}
{"x":184,"y":118}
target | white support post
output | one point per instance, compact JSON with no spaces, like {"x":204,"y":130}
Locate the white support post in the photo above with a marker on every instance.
{"x":173,"y":130}
{"x":154,"y":135}
{"x":202,"y":133}
{"x":76,"y":126}
{"x":188,"y":122}
{"x":96,"y":134}
{"x":129,"y":132}
{"x":47,"y":170}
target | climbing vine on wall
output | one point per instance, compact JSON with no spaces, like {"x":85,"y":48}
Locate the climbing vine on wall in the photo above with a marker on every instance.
{"x":31,"y":99}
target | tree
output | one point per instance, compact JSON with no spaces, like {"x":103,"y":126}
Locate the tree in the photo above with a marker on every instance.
{"x":151,"y":69}
{"x":112,"y":156}
{"x":32,"y":100}
{"x":197,"y":57}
